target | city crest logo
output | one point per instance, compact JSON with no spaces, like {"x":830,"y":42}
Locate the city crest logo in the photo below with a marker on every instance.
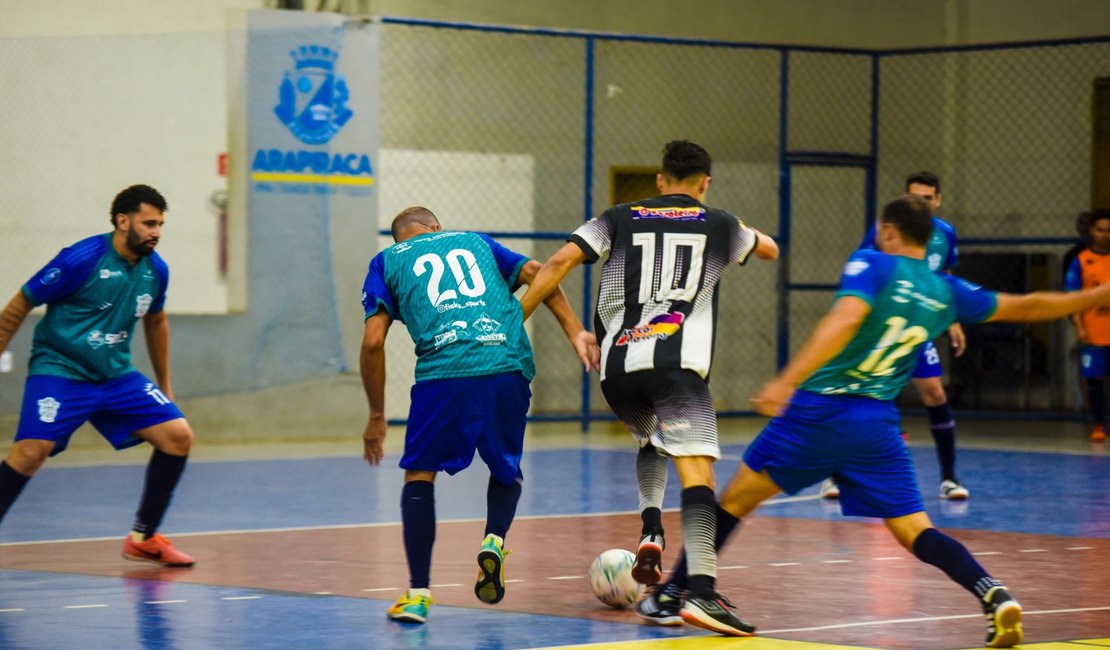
{"x":312,"y":98}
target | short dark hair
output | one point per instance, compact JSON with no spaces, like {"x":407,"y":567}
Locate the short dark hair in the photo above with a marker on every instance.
{"x":1096,"y":215}
{"x":129,"y":200}
{"x":923,"y":178}
{"x":682,"y":158}
{"x":912,"y":216}
{"x":411,"y":216}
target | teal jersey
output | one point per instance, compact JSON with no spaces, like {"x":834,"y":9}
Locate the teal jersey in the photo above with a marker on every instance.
{"x":910,"y":305}
{"x":93,"y":299}
{"x":453,"y":291}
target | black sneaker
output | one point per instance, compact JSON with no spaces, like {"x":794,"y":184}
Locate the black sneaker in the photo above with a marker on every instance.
{"x":1003,"y":619}
{"x":711,"y":612}
{"x":661,"y":605}
{"x":648,"y":567}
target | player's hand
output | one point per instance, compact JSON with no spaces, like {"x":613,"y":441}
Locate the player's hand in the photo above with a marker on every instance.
{"x":773,"y":398}
{"x":372,"y":439}
{"x":959,"y":340}
{"x":585,"y":344}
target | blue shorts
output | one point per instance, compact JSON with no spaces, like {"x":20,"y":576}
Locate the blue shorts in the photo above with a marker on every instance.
{"x":856,"y":440}
{"x":55,"y":407}
{"x":1092,"y":361}
{"x":928,"y":362}
{"x":451,"y":418}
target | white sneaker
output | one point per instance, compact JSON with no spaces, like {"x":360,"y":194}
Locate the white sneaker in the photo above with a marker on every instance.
{"x":952,"y":490}
{"x":829,"y":489}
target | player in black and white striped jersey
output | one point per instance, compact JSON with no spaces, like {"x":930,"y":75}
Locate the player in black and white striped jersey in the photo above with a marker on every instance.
{"x":655,"y":322}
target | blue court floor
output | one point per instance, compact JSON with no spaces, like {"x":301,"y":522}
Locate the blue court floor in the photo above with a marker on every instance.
{"x":302,"y":549}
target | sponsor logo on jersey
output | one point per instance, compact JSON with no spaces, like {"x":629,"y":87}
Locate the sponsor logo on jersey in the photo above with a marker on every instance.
{"x":453,"y":333}
{"x":51,"y":276}
{"x":108,"y":273}
{"x":677,"y":213}
{"x":142,"y":304}
{"x":855,"y":267}
{"x":675,"y":426}
{"x":98,"y":339}
{"x":661,"y":327}
{"x":905,"y":293}
{"x":489,"y":328}
{"x":48,"y":409}
{"x":402,"y":247}
{"x":934,"y":262}
{"x":448,"y":306}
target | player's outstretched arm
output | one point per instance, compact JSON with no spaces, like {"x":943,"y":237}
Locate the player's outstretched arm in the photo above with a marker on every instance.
{"x":12,"y":317}
{"x":156,"y":331}
{"x":550,"y":275}
{"x":1048,"y":305}
{"x":831,"y":335}
{"x":371,"y":365}
{"x":765,"y":247}
{"x":584,"y":343}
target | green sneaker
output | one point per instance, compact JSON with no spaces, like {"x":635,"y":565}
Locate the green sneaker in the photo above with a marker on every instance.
{"x":490,"y":587}
{"x":411,"y":607}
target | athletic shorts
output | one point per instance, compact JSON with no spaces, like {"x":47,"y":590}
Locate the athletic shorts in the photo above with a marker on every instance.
{"x":671,"y":409}
{"x":451,"y":418}
{"x":856,"y":440}
{"x":1092,"y":361}
{"x":54,"y":407}
{"x":928,"y":362}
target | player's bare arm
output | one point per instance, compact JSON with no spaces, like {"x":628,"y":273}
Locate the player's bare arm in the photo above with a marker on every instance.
{"x":550,"y":275}
{"x":765,"y":247}
{"x":15,"y":312}
{"x":156,"y":330}
{"x":1048,"y":305}
{"x":958,"y":338}
{"x":584,"y":342}
{"x":833,"y":333}
{"x":371,"y":366}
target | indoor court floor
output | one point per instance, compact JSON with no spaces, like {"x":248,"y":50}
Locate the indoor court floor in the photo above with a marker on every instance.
{"x":299,"y":546}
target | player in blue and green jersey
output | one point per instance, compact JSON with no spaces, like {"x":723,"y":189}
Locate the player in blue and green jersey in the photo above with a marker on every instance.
{"x":833,"y":409}
{"x":454,"y":293}
{"x":941,"y":255}
{"x":95,"y":291}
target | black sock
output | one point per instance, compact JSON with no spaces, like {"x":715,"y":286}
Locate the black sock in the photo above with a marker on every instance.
{"x":726,"y":523}
{"x":948,"y":555}
{"x":943,"y":427}
{"x":418,"y":525}
{"x":1097,"y":399}
{"x":501,"y":503}
{"x":11,"y":484}
{"x":653,"y":521}
{"x":162,"y":474}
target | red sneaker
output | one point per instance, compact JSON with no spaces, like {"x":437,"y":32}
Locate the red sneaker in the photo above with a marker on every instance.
{"x":156,"y":550}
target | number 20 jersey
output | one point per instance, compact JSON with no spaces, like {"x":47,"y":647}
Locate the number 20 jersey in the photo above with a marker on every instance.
{"x":657,"y":307}
{"x":452,"y":291}
{"x":910,"y":304}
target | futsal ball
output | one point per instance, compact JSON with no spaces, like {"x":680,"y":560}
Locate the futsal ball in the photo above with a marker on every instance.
{"x":611,"y":578}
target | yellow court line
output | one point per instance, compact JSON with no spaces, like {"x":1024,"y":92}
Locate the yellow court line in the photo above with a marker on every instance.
{"x":269,"y":177}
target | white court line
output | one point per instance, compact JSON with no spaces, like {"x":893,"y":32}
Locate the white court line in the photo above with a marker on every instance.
{"x":323,"y":593}
{"x":735,"y":566}
{"x":164,"y":602}
{"x":925,"y":619}
{"x":785,"y":564}
{"x":295,"y":529}
{"x":13,"y":609}
{"x":241,"y":598}
{"x":446,"y":584}
{"x":1080,"y":548}
{"x":1033,"y":550}
{"x":988,"y":553}
{"x":84,"y":606}
{"x":837,"y":561}
{"x":564,"y":578}
{"x":383,"y":589}
{"x":886,"y":559}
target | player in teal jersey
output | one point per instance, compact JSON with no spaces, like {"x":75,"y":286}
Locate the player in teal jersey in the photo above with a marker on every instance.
{"x":80,"y":370}
{"x":453,"y":291}
{"x":833,"y":410}
{"x":941,"y":255}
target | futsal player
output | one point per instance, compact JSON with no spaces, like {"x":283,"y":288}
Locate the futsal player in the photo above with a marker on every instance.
{"x":1090,"y":267}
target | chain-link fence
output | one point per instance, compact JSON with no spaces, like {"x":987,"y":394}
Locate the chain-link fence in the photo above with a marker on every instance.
{"x":526,"y":133}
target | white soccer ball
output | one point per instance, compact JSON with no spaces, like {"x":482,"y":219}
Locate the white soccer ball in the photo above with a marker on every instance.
{"x":611,"y":578}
